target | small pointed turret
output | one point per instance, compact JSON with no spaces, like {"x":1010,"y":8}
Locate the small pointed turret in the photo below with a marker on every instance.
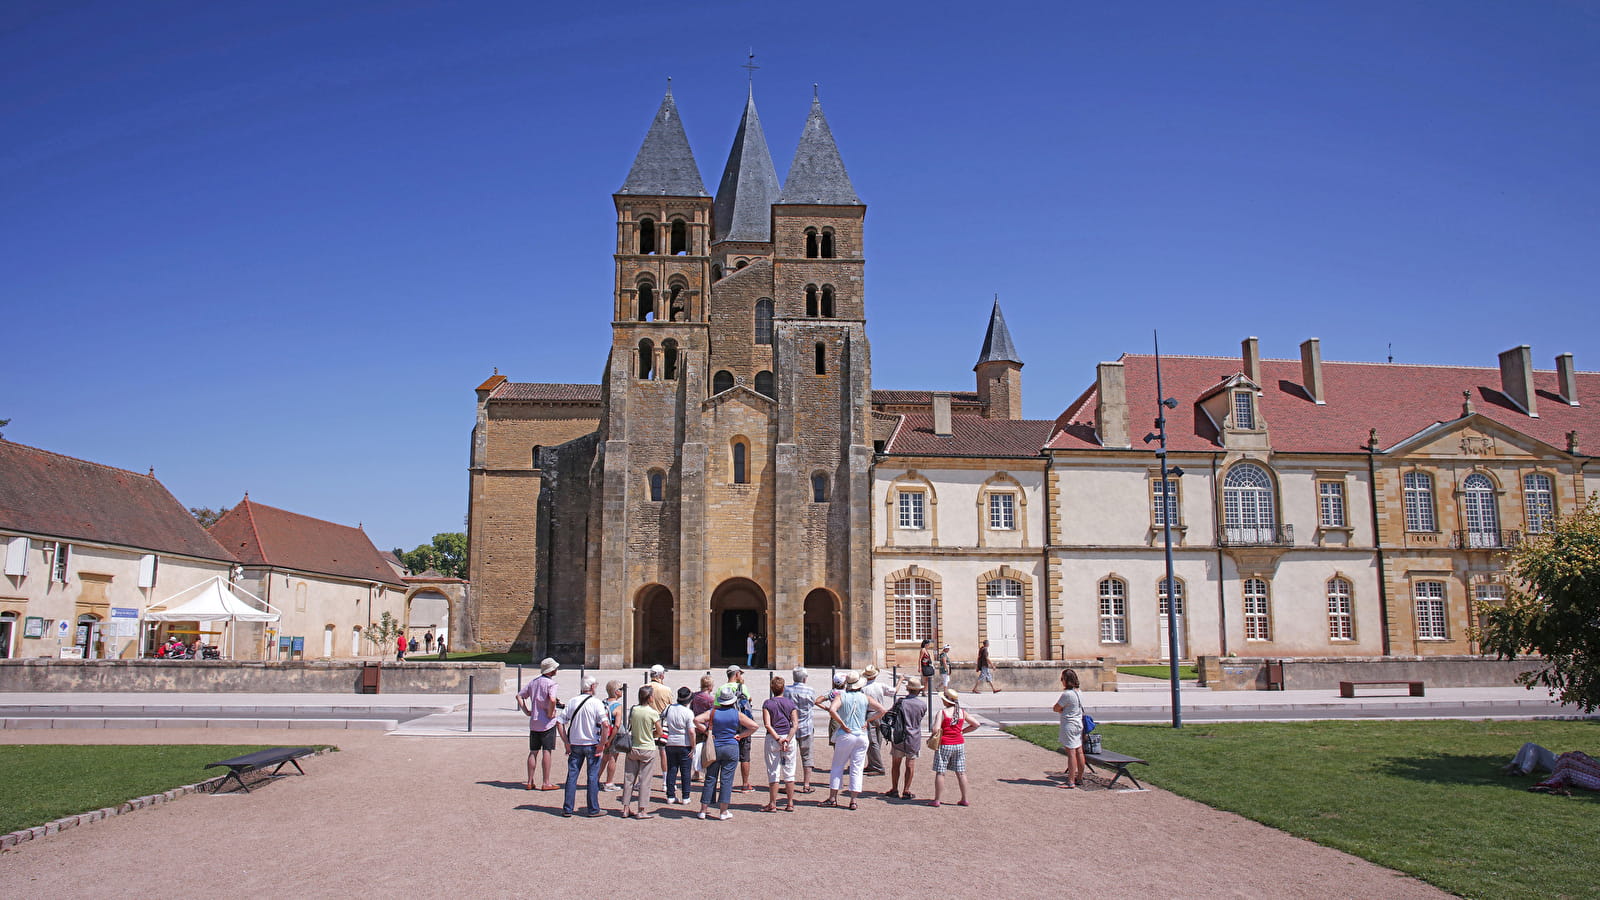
{"x":817,"y":174}
{"x":743,"y":208}
{"x":997,"y":346}
{"x":665,"y":165}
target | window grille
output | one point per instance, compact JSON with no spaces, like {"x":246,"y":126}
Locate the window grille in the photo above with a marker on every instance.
{"x":1257,"y":618}
{"x":1341,"y":614}
{"x":1247,"y":507}
{"x":1244,"y":410}
{"x":1419,"y":502}
{"x":913,"y":609}
{"x":1330,"y":504}
{"x":1002,"y":512}
{"x":1113,"y":611}
{"x":911,"y":509}
{"x":1430,"y":610}
{"x":1539,"y":499}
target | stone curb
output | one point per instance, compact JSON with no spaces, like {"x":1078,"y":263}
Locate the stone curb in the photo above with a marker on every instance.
{"x":15,"y":838}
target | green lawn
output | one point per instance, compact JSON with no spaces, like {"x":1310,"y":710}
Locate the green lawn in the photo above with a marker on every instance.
{"x":1185,"y":673}
{"x":1423,"y":797}
{"x":42,"y":782}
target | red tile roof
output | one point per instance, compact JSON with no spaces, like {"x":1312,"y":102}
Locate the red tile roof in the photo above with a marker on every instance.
{"x":57,"y":496}
{"x":525,"y":390}
{"x":262,"y":535}
{"x":1398,"y":400}
{"x":922,"y":398}
{"x":970,"y":436}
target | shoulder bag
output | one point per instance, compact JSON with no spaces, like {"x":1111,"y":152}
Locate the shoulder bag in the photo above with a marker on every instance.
{"x":622,"y":741}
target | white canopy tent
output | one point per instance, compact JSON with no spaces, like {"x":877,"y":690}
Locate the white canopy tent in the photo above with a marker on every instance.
{"x":213,"y":600}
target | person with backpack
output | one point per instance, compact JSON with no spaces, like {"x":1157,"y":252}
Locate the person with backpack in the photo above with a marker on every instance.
{"x":746,"y":709}
{"x":779,"y":717}
{"x":884,"y":697}
{"x":1070,"y":707}
{"x":905,"y":744}
{"x":950,"y":737}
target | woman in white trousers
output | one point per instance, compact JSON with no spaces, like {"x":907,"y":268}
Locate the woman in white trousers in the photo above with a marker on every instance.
{"x":854,"y":712}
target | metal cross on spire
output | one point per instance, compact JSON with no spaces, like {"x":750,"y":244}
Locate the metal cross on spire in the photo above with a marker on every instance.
{"x":750,"y":65}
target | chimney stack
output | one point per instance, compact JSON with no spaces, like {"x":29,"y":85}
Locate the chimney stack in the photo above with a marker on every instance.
{"x":1311,"y":370}
{"x":1516,"y":379}
{"x":1252,"y":360}
{"x":941,"y":413}
{"x":1111,"y":416}
{"x":1567,"y":377}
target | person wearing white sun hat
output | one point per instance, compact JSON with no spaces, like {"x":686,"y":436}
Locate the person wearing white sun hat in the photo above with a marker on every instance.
{"x":854,"y":712}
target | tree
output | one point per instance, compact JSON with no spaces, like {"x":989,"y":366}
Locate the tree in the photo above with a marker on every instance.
{"x":207,"y":516}
{"x":384,"y":634}
{"x":1554,"y":609}
{"x":447,"y":555}
{"x":4,"y":423}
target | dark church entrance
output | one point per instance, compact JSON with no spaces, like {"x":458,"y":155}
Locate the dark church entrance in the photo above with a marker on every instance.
{"x":738,"y":610}
{"x":822,"y":629}
{"x":654,"y":628}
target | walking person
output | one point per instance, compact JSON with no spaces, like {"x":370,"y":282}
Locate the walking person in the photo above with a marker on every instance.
{"x":678,"y":723}
{"x":444,"y":652}
{"x":804,"y":699}
{"x":537,"y":700}
{"x":778,"y":717}
{"x":427,"y":642}
{"x":854,"y":712}
{"x":925,"y":660}
{"x":883,"y":696}
{"x":944,"y":667}
{"x":746,"y":709}
{"x":952,"y":725}
{"x":985,"y":669}
{"x":1070,"y":707}
{"x":583,"y":727}
{"x":400,"y":649}
{"x":914,"y":709}
{"x":644,"y":725}
{"x":614,"y":723}
{"x":726,"y":727}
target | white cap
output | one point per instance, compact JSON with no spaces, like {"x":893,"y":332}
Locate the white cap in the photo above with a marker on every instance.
{"x":657,"y":669}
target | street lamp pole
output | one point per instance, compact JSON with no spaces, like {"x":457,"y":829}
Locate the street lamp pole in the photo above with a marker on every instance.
{"x":1168,"y":510}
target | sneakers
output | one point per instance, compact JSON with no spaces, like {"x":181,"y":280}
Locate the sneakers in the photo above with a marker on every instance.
{"x":726,"y":816}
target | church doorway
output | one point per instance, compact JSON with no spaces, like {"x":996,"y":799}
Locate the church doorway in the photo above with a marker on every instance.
{"x":738,"y":612}
{"x":653,"y":627}
{"x":822,"y":629}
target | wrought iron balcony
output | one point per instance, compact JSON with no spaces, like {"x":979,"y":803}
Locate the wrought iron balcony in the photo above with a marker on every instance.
{"x":1485,"y":540}
{"x":1258,"y":536}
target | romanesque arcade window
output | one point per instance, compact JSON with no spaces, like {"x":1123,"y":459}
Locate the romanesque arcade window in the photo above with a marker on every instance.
{"x":741,"y":462}
{"x":764,"y":321}
{"x":647,"y":236}
{"x":722,"y":381}
{"x":658,"y":485}
{"x":819,"y":487}
{"x":766,"y":384}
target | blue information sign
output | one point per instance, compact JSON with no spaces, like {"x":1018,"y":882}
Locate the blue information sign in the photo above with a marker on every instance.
{"x":299,"y":645}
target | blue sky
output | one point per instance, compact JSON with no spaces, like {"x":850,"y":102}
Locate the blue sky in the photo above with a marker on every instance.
{"x":273,"y":247}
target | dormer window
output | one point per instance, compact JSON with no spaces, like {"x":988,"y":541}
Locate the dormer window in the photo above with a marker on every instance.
{"x":1244,"y":410}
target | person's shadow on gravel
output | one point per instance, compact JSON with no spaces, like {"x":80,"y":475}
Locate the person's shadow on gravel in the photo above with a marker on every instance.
{"x":508,"y":785}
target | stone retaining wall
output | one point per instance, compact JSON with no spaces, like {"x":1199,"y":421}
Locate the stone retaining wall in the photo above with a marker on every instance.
{"x":232,"y":677}
{"x":1325,"y":673}
{"x":1037,"y":675}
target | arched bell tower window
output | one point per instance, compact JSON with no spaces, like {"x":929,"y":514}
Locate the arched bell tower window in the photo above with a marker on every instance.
{"x":647,"y":302}
{"x":741,"y":462}
{"x":647,"y":236}
{"x":764,"y":321}
{"x":647,"y":360}
{"x":827,"y":301}
{"x":811,"y":300}
{"x":721,"y":381}
{"x":680,"y":237}
{"x":822,"y":358}
{"x":676,"y":309}
{"x":765,"y":384}
{"x":827,"y":243}
{"x":669,"y":359}
{"x":812,"y":244}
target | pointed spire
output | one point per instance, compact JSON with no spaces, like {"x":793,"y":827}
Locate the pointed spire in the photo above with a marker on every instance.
{"x":817,"y":174}
{"x":997,"y":346}
{"x":665,"y":165}
{"x":743,"y":209}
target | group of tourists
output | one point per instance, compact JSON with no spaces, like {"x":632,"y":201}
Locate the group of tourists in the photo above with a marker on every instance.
{"x":404,"y":645}
{"x":708,"y":735}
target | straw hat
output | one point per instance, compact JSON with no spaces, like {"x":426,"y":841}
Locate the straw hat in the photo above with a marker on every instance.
{"x":870,"y":672}
{"x":951,"y":698}
{"x":854,"y":681}
{"x":548,"y":665}
{"x":914,"y":683}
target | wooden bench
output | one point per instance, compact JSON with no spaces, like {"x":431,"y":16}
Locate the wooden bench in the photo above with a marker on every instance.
{"x":1117,"y":761}
{"x":1347,"y":689}
{"x":251,"y":762}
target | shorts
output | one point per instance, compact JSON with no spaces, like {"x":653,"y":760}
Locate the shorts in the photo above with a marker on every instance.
{"x":950,"y":758}
{"x":780,"y":763}
{"x":542,"y":740}
{"x":905,"y":751}
{"x":744,"y":750}
{"x":804,"y":743}
{"x":986,"y":674}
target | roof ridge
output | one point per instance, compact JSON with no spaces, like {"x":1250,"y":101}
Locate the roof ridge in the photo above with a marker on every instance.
{"x":79,"y":459}
{"x":250,"y":520}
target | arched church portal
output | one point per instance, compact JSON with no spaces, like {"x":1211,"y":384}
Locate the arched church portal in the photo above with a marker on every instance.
{"x":738,"y":610}
{"x":653,"y":627}
{"x":824,"y":629}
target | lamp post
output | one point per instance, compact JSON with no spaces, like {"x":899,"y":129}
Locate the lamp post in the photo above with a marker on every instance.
{"x":1168,"y":474}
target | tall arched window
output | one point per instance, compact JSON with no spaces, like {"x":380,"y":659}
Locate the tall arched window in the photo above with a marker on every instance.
{"x":1113,"y":611}
{"x":764,"y":321}
{"x":741,"y":462}
{"x":819,"y":487}
{"x":1539,"y":499}
{"x":658,"y":485}
{"x":647,"y":301}
{"x":675,"y":302}
{"x":913,"y":609}
{"x":811,"y":300}
{"x":647,"y":236}
{"x":680,"y":237}
{"x":1483,"y":515}
{"x":669,"y":359}
{"x":811,"y":243}
{"x":1247,"y":508}
{"x":827,"y":243}
{"x":1419,"y":502}
{"x":1257,"y":611}
{"x":822,"y":358}
{"x":765,"y":384}
{"x":721,"y":381}
{"x":1341,"y":612}
{"x":827,"y":301}
{"x":647,"y":359}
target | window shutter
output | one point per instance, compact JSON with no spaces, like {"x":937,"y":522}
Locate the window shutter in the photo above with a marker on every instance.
{"x":17,"y":556}
{"x":147,"y":570}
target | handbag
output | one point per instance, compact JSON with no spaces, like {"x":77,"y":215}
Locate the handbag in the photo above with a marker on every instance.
{"x":927,"y":670}
{"x":622,"y":741}
{"x":934,"y":736}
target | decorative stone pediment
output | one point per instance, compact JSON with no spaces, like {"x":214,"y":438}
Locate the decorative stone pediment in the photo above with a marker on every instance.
{"x":1474,"y":437}
{"x":743,"y":395}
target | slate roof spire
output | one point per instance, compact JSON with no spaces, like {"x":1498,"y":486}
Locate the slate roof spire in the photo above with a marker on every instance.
{"x":997,"y":346}
{"x":743,"y":208}
{"x":817,"y":175}
{"x":665,"y":165}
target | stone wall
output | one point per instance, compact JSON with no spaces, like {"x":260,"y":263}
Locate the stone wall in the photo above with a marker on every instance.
{"x":1037,"y":675}
{"x":1242,"y":674}
{"x":201,"y":676}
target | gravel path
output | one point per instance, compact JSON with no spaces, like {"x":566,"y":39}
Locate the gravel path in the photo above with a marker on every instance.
{"x":431,"y":816}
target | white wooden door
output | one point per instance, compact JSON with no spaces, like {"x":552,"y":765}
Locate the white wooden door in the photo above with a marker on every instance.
{"x":327,"y":642}
{"x":1161,"y":628}
{"x":1004,"y":603}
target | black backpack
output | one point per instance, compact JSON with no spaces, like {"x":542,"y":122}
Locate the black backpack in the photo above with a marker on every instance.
{"x":893,"y":725}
